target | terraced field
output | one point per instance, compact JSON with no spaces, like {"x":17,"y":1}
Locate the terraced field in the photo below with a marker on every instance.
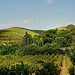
{"x":14,"y":35}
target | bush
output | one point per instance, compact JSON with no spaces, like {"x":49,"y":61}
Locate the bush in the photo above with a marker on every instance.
{"x":46,"y":48}
{"x":61,"y":41}
{"x":29,"y":50}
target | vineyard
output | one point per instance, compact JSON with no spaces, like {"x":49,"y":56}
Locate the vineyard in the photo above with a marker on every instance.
{"x":13,"y":35}
{"x":37,"y":62}
{"x":50,"y":53}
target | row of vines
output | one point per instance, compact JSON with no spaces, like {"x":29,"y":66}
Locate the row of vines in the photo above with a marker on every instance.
{"x":41,"y":65}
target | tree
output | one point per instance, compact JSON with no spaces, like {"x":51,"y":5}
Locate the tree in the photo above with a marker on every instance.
{"x":38,"y":40}
{"x":27,"y":39}
{"x":49,"y":36}
{"x":61,"y":41}
{"x":62,"y":33}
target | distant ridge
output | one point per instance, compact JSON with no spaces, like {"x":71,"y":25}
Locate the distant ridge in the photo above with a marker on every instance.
{"x":36,"y":31}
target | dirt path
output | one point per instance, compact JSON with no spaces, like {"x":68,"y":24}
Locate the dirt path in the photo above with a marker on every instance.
{"x":64,"y":70}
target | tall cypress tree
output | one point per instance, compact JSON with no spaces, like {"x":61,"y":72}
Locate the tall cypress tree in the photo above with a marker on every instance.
{"x":26,"y":40}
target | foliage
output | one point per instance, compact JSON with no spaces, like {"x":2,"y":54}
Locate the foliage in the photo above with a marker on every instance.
{"x":69,"y":65}
{"x":36,"y":39}
{"x":29,"y":50}
{"x":42,"y":52}
{"x":41,"y":63}
{"x":14,"y":35}
{"x":27,"y":39}
{"x":61,"y":41}
{"x":49,"y":36}
{"x":49,"y":69}
{"x":15,"y":70}
{"x":4,"y":50}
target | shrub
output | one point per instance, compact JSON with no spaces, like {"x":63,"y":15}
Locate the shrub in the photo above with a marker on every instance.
{"x":29,"y":50}
{"x":61,"y":41}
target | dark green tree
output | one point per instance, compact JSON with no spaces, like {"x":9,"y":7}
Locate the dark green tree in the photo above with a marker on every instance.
{"x":49,"y":36}
{"x":27,"y":39}
{"x":61,"y":41}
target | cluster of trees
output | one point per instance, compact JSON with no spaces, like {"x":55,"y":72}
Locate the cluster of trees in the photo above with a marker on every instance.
{"x":48,"y":42}
{"x":33,"y":49}
{"x":62,"y":37}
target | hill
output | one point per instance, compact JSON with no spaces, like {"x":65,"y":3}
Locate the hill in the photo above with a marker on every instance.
{"x":37,"y":31}
{"x":14,"y":35}
{"x":53,"y":52}
{"x":60,"y":28}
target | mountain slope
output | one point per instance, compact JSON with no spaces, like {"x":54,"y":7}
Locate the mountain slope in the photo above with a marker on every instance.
{"x":14,"y":35}
{"x":37,"y":31}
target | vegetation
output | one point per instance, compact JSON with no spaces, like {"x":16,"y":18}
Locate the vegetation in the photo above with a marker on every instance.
{"x":28,"y":52}
{"x":37,"y":31}
{"x":14,"y":35}
{"x":39,"y":63}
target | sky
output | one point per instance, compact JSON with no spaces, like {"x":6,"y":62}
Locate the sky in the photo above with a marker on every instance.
{"x":36,"y":14}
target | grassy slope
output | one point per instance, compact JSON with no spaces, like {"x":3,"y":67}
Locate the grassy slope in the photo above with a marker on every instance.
{"x":14,"y":35}
{"x":37,"y":31}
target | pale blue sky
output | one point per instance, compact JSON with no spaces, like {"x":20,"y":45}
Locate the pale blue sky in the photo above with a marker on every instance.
{"x":36,"y":14}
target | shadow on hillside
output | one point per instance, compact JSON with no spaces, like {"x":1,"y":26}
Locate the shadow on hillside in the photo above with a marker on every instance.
{"x":2,"y":31}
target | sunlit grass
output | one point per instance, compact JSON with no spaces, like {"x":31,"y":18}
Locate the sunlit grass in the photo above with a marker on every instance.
{"x":14,"y":35}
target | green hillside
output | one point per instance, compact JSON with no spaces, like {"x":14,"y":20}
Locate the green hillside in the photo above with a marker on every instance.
{"x":14,"y":35}
{"x":37,"y":31}
{"x":46,"y":54}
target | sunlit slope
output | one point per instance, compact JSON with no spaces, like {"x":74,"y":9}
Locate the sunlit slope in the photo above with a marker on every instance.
{"x":60,"y":28}
{"x":14,"y":35}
